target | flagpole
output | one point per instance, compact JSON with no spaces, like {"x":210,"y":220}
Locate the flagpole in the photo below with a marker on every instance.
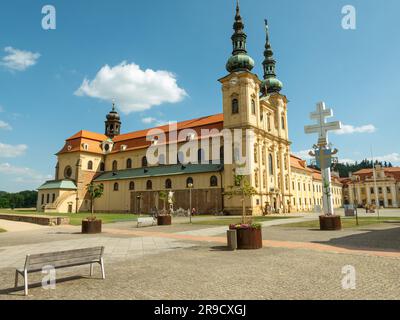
{"x":375,"y":186}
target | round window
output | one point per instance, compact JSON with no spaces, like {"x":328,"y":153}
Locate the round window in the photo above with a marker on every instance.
{"x":68,"y":172}
{"x":106,"y":147}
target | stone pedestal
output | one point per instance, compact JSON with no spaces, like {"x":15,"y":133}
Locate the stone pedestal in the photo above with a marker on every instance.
{"x":332,"y":222}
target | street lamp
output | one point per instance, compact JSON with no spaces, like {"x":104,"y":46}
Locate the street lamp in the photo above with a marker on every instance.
{"x":190,"y":186}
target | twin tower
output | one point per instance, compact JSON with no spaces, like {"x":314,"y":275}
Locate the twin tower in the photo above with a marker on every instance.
{"x":241,"y":61}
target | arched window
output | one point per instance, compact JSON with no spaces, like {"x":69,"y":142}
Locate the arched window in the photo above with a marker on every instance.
{"x":200,"y":156}
{"x":253,"y":107}
{"x":144,"y":161}
{"x":116,"y":186}
{"x":161,"y":159}
{"x":47,"y":198}
{"x":90,"y":165}
{"x":129,"y":163}
{"x":149,"y":185}
{"x":283,"y":122}
{"x":168,"y":184}
{"x":102,"y":166}
{"x":53,"y":198}
{"x":271,"y":164}
{"x":189,"y":181}
{"x":180,"y":157}
{"x":221,"y":154}
{"x":115,"y":165}
{"x":42,"y":198}
{"x":213,"y":181}
{"x":131,"y":185}
{"x":235,"y":106}
{"x":67,"y":172}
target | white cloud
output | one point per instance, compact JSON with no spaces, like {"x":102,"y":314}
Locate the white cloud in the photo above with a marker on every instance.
{"x":134,"y":89}
{"x":345,"y":160}
{"x":392,"y":157}
{"x":22,"y":174}
{"x":19,"y":60}
{"x":303,"y":154}
{"x":10,"y":151}
{"x":5,"y":125}
{"x":154,"y":121}
{"x":349,"y":129}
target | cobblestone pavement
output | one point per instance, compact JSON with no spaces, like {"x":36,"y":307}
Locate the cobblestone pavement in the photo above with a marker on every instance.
{"x":181,"y":262}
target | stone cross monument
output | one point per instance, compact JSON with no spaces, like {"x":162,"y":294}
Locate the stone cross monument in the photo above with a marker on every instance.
{"x":323,"y":153}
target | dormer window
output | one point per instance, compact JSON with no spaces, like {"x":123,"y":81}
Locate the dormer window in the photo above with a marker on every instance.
{"x":123,"y":147}
{"x":107,"y":146}
{"x":69,"y":147}
{"x":154,"y":140}
{"x":85,"y":146}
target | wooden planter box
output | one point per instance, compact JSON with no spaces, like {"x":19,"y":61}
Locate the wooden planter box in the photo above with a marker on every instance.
{"x":330,"y":222}
{"x":91,"y":226}
{"x":249,"y":238}
{"x":164,"y":220}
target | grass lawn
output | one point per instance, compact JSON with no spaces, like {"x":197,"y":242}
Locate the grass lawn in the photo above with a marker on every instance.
{"x":76,"y":218}
{"x":234,"y":220}
{"x":346,"y":222}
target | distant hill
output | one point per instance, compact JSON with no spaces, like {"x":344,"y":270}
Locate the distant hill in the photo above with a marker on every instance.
{"x":345,"y":168}
{"x":23,"y":199}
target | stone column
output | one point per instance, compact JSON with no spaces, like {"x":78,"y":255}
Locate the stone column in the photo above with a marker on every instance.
{"x":351,"y":193}
{"x":359,"y":197}
{"x":385,"y":197}
{"x":368,"y":190}
{"x":394,"y":195}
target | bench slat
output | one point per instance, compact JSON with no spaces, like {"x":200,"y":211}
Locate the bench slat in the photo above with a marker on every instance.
{"x":63,"y":257}
{"x":65,"y":262}
{"x":70,"y":253}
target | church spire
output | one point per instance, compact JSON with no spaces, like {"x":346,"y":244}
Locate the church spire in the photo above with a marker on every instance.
{"x":239,"y":61}
{"x":270,"y":81}
{"x":112,"y":123}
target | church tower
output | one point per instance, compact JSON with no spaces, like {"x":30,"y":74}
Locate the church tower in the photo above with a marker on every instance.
{"x":240,"y":91}
{"x":113,"y":123}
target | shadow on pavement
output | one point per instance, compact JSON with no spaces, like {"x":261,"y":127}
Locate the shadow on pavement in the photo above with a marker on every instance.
{"x":20,"y":289}
{"x":370,"y":239}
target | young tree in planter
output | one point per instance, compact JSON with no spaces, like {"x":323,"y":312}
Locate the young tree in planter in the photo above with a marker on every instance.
{"x":163,"y":197}
{"x":95,"y":191}
{"x":241,"y":188}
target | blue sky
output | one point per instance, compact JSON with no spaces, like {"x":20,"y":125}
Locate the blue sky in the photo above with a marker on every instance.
{"x":356,"y":72}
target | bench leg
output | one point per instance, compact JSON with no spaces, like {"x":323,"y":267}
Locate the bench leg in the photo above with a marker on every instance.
{"x":103,"y":274}
{"x":26,"y":282}
{"x":16,"y":279}
{"x":91,"y":269}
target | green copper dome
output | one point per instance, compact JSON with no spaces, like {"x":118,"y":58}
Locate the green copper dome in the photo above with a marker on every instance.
{"x":240,"y":62}
{"x":272,"y":85}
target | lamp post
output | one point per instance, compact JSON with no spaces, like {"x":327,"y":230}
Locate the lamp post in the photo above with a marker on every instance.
{"x":190,"y":186}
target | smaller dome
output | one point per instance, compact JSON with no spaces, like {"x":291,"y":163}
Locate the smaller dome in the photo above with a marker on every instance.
{"x":113,"y":115}
{"x":240,"y":62}
{"x":272,"y":84}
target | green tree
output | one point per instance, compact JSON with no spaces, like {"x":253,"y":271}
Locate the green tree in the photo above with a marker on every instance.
{"x":242,"y":188}
{"x":95,"y":191}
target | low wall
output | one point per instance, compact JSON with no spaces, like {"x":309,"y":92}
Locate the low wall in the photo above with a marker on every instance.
{"x":36,"y":219}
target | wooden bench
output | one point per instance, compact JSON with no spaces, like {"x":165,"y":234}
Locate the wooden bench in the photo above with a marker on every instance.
{"x":146,"y":221}
{"x":61,"y":259}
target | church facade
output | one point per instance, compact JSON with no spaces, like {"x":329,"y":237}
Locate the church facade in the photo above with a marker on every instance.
{"x":132,"y":183}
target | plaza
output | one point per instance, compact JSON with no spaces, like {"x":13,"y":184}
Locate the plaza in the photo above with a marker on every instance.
{"x":191,"y":261}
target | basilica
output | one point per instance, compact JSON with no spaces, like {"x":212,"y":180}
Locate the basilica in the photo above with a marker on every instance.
{"x":132,"y":183}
